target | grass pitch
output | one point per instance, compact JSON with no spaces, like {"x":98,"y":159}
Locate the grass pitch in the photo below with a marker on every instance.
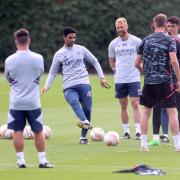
{"x":73,"y":161}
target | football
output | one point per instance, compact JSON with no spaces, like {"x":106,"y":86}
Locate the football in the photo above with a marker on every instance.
{"x":6,"y":133}
{"x":111,"y":138}
{"x":3,"y":130}
{"x":97,"y":134}
{"x":9,"y":134}
{"x":47,"y":131}
{"x":27,"y":133}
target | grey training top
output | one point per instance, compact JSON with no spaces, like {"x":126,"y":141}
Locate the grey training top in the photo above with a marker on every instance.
{"x":23,"y":70}
{"x":74,"y":71}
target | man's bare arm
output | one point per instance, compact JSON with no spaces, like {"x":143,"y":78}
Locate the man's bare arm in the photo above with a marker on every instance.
{"x":112,"y":62}
{"x":138,"y":63}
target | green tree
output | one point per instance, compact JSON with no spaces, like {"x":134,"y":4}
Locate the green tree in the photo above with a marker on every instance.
{"x":94,"y":21}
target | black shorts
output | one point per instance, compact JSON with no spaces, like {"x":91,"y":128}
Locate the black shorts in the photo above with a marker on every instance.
{"x":164,"y":94}
{"x":178,"y":101}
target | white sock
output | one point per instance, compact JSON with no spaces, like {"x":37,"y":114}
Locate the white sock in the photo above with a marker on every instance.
{"x":42,"y":157}
{"x":156,"y":137}
{"x":144,"y":141}
{"x":126,"y":128}
{"x":176,"y":140}
{"x":137,"y":126}
{"x":20,"y":157}
{"x":166,"y":135}
{"x":86,"y":121}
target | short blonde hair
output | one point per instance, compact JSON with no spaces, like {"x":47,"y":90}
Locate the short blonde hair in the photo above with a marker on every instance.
{"x":121,"y":20}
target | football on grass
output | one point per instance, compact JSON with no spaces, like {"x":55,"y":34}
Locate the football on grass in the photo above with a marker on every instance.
{"x":6,"y":133}
{"x":97,"y":134}
{"x":111,"y":138}
{"x":28,"y":133}
{"x":47,"y":131}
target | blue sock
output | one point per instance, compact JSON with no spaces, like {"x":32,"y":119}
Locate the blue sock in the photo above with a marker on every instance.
{"x":84,"y":133}
{"x":164,"y":121}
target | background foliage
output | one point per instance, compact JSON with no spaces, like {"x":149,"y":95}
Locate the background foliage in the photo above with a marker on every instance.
{"x":93,"y":19}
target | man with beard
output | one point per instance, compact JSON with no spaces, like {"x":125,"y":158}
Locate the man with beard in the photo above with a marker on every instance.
{"x":122,"y":53}
{"x":72,"y":58}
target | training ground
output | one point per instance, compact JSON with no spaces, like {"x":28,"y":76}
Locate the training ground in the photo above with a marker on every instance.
{"x":95,"y":161}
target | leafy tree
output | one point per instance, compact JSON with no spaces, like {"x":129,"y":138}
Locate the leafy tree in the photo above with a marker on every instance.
{"x":94,"y":21}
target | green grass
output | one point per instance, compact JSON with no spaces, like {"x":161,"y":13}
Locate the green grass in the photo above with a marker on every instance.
{"x":74,"y":161}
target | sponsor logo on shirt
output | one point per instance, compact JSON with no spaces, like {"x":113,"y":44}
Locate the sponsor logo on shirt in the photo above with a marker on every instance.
{"x":72,"y":62}
{"x":125,"y":52}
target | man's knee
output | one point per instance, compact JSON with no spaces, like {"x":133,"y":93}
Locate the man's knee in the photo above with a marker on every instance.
{"x":135,"y":104}
{"x":124,"y":105}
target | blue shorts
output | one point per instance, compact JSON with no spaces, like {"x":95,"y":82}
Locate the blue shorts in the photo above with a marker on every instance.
{"x":122,"y":90}
{"x":17,"y":119}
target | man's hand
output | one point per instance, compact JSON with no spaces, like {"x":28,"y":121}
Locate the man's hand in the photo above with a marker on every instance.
{"x":104,"y":83}
{"x":44,"y":90}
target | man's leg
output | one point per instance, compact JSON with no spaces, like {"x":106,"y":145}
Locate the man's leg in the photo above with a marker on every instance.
{"x":35,"y":119}
{"x":17,"y":121}
{"x":39,"y":139}
{"x":124,"y":116}
{"x":174,"y":126}
{"x":133,"y":91}
{"x":164,"y":123}
{"x":137,"y":114}
{"x":18,"y":142}
{"x":144,"y":127}
{"x":156,"y":119}
{"x":121,"y":92}
{"x":73,"y":98}
{"x":86,"y":102}
{"x":156,"y":123}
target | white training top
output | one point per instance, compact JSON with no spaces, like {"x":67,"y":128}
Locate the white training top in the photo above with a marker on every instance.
{"x":23,"y":70}
{"x":125,"y":52}
{"x":71,"y":60}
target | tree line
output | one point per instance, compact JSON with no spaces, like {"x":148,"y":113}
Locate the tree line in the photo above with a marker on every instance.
{"x":94,"y":21}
